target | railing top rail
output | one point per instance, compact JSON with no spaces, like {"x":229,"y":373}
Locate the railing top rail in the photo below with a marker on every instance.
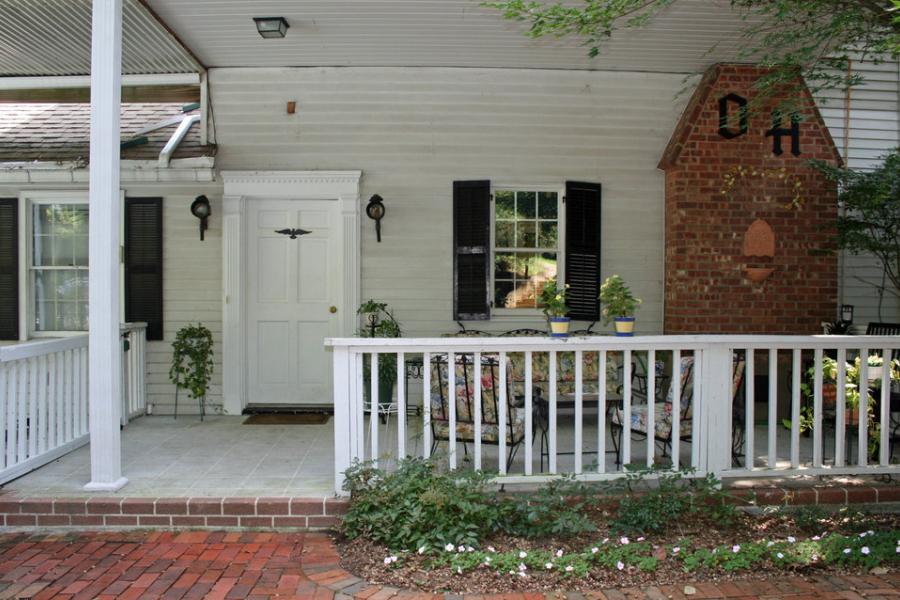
{"x":34,"y":348}
{"x":608,"y":342}
{"x":125,"y":327}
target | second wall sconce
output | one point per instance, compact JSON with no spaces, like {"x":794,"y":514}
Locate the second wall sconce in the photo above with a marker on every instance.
{"x":375,"y":210}
{"x":201,"y":209}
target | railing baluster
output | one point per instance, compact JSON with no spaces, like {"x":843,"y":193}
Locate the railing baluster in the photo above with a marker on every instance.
{"x":502,"y":417}
{"x":579,"y":409}
{"x":651,"y":406}
{"x":626,"y":411}
{"x":749,"y":401}
{"x":41,"y":397}
{"x":426,"y":404}
{"x":676,"y":409}
{"x":863,"y":408}
{"x":773,"y":408}
{"x":451,"y":407}
{"x":529,"y":385}
{"x":374,"y":408}
{"x":551,"y":417}
{"x":359,"y":397}
{"x":817,"y":408}
{"x":12,"y":405}
{"x":34,"y":426}
{"x":4,"y":408}
{"x":884,"y":444}
{"x":601,"y":411}
{"x":697,"y":382}
{"x":476,"y":376}
{"x":795,"y":410}
{"x":22,"y":451}
{"x":840,"y":403}
{"x":401,"y":405}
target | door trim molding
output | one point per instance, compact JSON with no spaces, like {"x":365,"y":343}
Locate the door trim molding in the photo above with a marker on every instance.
{"x":242,"y":187}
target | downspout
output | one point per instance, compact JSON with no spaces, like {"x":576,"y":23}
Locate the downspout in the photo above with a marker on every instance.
{"x":165,"y":157}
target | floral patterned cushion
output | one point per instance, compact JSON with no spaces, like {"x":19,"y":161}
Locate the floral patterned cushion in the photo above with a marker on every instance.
{"x":465,"y":431}
{"x":662,"y":420}
{"x":565,"y":372}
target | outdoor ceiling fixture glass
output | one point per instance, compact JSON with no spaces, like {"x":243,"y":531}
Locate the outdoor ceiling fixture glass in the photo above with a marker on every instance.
{"x":271,"y":27}
{"x":201,"y":209}
{"x":847,"y":313}
{"x":375,"y":210}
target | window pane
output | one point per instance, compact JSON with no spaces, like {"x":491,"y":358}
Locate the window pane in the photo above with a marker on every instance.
{"x":547,"y":205}
{"x":525,"y":234}
{"x":61,"y":300}
{"x":60,"y":235}
{"x":526,"y":205}
{"x":506,"y":205}
{"x":505,"y":236}
{"x":548,"y":234}
{"x":503,"y":294}
{"x":504,"y":265}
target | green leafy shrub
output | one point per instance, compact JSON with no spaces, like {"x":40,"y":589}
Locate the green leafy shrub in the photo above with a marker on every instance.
{"x":649,"y":509}
{"x":192,"y":360}
{"x":557,"y":508}
{"x":417,"y":505}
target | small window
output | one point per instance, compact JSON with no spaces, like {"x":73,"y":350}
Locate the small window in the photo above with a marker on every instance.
{"x":526,"y":246}
{"x":59,"y":266}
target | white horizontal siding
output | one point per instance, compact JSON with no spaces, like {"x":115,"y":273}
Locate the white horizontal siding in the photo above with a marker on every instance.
{"x":865,"y":129}
{"x":413,"y":131}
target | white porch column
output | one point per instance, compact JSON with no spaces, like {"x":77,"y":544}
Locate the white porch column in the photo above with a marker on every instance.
{"x":105,"y":362}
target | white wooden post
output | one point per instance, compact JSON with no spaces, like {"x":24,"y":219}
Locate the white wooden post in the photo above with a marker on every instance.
{"x":105,"y":359}
{"x":715,"y":406}
{"x":343,"y":419}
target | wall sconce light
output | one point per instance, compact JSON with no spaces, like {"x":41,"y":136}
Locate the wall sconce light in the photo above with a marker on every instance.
{"x":201,"y":209}
{"x":375,"y":210}
{"x":847,"y":313}
{"x":271,"y":27}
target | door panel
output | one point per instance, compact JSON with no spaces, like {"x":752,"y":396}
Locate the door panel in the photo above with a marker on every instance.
{"x":293,"y":286}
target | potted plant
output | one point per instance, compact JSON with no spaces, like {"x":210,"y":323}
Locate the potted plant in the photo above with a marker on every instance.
{"x":618,"y":304}
{"x":379,"y":321}
{"x":554,"y":302}
{"x":192,"y":363}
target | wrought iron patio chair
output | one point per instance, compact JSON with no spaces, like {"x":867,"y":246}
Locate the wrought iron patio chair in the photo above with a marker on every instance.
{"x":465,"y":370}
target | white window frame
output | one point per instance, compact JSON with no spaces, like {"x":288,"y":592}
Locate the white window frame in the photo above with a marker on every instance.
{"x":27,"y":201}
{"x":560,"y":189}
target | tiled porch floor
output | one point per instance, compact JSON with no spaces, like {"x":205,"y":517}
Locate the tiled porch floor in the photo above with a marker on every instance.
{"x":221,"y":456}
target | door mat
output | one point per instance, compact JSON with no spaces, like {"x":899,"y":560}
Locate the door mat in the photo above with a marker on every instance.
{"x":288,"y":419}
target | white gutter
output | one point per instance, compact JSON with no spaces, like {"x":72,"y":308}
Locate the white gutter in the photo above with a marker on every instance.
{"x":77,"y":81}
{"x":166,"y":155}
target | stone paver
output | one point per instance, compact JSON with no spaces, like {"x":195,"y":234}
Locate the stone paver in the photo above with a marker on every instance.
{"x":234,"y":565}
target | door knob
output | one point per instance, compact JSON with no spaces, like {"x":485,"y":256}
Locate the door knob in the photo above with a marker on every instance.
{"x":333,"y":309}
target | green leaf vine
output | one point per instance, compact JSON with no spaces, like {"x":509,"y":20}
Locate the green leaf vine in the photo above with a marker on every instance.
{"x":192,"y":360}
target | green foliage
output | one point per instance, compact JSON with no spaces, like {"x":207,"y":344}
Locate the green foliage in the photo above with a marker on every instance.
{"x":617,"y":299}
{"x":673,"y":497}
{"x":192,"y":360}
{"x":385,"y":326}
{"x":554,"y":300}
{"x":814,"y":38}
{"x":869,"y":222}
{"x":417,"y":505}
{"x":808,"y":517}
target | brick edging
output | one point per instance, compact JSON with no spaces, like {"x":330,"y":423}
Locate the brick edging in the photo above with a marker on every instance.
{"x":294,"y":513}
{"x":303,"y":513}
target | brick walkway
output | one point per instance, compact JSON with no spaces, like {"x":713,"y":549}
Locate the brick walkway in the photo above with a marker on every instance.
{"x":217,"y":564}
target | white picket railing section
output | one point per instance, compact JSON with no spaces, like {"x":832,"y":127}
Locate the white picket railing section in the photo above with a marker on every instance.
{"x":44,"y":397}
{"x":44,"y":407}
{"x":725,"y":432}
{"x":134,"y":376}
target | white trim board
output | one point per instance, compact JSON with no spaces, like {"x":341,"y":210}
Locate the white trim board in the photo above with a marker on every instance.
{"x":242,"y":187}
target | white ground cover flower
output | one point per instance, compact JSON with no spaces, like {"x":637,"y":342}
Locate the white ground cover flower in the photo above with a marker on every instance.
{"x":864,"y":550}
{"x":620,"y":565}
{"x":449,"y":547}
{"x":523,"y":554}
{"x":624,"y":540}
{"x":736,"y":548}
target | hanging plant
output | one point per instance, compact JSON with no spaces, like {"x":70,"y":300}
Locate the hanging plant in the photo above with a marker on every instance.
{"x":192,"y":360}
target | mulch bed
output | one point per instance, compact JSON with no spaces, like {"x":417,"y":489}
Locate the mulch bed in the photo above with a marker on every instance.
{"x":366,"y":559}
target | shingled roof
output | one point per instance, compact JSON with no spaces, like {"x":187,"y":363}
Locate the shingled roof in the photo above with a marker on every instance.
{"x":61,"y":132}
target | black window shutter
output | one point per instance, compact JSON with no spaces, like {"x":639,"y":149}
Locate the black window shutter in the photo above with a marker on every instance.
{"x":583,"y":249}
{"x":9,"y":269}
{"x":471,"y":251}
{"x":143,"y":264}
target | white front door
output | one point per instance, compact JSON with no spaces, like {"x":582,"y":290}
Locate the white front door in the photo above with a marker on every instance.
{"x":292,"y":289}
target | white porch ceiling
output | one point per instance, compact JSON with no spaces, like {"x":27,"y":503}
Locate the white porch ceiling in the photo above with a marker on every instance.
{"x":454,"y":33}
{"x":53,"y":37}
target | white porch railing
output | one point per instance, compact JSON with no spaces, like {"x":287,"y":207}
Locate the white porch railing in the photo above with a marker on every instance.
{"x":44,"y":397}
{"x":43,"y":403}
{"x":722,"y":429}
{"x":134,"y":375}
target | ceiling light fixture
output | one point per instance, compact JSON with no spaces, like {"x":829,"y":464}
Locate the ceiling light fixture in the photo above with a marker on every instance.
{"x":271,"y":27}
